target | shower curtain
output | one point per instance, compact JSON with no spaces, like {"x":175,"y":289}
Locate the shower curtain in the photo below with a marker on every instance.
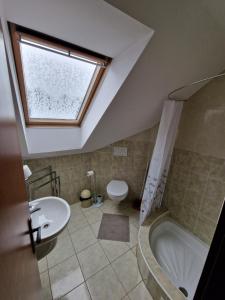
{"x":160,"y":162}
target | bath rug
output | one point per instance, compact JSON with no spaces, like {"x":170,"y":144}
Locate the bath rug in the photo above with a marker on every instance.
{"x":114,"y":228}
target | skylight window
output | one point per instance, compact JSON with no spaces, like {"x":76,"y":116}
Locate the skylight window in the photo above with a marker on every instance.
{"x":57,"y":81}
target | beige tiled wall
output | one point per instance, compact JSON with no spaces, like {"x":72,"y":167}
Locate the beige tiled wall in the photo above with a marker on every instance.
{"x":72,"y":168}
{"x":196,"y":184}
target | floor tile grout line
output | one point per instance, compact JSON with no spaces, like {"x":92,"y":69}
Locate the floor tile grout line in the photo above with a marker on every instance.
{"x":81,"y":270}
{"x":85,"y":225}
{"x":49,"y":278}
{"x":76,"y":257}
{"x":97,"y":272}
{"x":71,"y":290}
{"x":74,"y":254}
{"x":119,"y":278}
{"x":93,"y":229}
{"x":86,"y":279}
{"x":99,"y":243}
{"x":88,"y":223}
{"x":102,"y":270}
{"x":61,"y":261}
{"x":127,"y":243}
{"x":38,"y":261}
{"x":104,"y":251}
{"x":130,"y":291}
{"x":84,"y":282}
{"x":119,"y":281}
{"x":117,"y":256}
{"x":67,"y":236}
{"x":110,"y":262}
{"x":77,"y":252}
{"x":55,"y":266}
{"x":130,"y":248}
{"x":86,"y":248}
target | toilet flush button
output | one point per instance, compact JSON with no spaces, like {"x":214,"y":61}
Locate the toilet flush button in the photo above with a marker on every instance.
{"x":120,"y":151}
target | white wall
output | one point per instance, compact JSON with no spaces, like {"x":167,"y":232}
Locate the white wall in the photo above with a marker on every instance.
{"x":45,"y":140}
{"x":188,"y":44}
{"x":89,"y":23}
{"x":118,"y":72}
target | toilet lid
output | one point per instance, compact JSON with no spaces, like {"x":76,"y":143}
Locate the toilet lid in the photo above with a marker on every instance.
{"x":117,"y":187}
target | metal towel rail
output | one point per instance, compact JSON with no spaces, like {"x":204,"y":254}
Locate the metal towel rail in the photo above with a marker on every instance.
{"x":51,"y":178}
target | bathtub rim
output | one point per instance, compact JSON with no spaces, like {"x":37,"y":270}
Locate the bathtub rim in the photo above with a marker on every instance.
{"x":154,"y":268}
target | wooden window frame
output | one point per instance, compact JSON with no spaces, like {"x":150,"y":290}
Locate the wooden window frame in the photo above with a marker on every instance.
{"x":17,"y":32}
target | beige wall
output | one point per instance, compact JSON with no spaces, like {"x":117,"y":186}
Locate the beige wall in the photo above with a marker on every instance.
{"x":196,"y":184}
{"x":72,"y":168}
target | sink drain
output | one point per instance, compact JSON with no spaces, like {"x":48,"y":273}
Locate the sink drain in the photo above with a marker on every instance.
{"x":184,"y":291}
{"x":46,"y":226}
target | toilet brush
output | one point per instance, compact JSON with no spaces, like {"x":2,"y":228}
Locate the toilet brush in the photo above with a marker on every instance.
{"x":91,"y":174}
{"x":97,"y":199}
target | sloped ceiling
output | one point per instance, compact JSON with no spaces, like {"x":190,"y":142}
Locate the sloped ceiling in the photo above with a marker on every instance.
{"x":93,"y":24}
{"x":188,"y":44}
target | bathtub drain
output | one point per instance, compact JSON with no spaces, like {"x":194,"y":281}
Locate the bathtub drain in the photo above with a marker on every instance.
{"x":184,"y":291}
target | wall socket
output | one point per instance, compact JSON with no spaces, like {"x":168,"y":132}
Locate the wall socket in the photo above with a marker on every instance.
{"x":120,"y":151}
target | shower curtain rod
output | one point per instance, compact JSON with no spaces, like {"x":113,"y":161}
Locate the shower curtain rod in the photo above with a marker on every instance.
{"x":191,"y":84}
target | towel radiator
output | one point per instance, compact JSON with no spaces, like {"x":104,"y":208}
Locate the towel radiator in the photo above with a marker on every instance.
{"x":41,"y":178}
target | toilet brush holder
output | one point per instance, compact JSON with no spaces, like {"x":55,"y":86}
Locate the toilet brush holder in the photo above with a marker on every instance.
{"x":98,"y":201}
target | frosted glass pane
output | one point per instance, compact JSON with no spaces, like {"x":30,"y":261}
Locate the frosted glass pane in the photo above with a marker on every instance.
{"x":55,"y":84}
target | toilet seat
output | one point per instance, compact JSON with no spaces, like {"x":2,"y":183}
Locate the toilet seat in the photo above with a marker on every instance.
{"x":117,"y":189}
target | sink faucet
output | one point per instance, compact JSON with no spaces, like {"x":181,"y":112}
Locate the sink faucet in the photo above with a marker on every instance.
{"x":33,"y":209}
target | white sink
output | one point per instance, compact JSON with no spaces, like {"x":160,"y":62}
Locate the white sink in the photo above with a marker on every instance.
{"x":53,"y":216}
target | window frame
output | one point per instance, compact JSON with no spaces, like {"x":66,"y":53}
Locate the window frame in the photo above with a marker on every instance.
{"x":17,"y":32}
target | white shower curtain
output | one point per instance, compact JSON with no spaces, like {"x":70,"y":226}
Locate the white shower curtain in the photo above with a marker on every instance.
{"x":160,"y":162}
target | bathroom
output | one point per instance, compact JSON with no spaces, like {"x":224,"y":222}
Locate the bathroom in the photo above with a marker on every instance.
{"x":125,"y":200}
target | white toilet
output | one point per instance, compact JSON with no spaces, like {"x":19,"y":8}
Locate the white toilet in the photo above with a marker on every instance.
{"x":117,"y":190}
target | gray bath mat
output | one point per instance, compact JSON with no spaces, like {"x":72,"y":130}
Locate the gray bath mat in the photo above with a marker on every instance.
{"x":114,"y":228}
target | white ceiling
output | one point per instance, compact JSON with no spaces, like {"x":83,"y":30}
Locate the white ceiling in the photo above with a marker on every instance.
{"x":188,"y":44}
{"x":67,"y":19}
{"x":93,"y":24}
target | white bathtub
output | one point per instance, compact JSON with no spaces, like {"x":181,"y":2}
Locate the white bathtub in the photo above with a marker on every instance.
{"x":180,"y":254}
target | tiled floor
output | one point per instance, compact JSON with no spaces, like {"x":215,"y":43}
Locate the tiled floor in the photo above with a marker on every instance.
{"x":82,"y":267}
